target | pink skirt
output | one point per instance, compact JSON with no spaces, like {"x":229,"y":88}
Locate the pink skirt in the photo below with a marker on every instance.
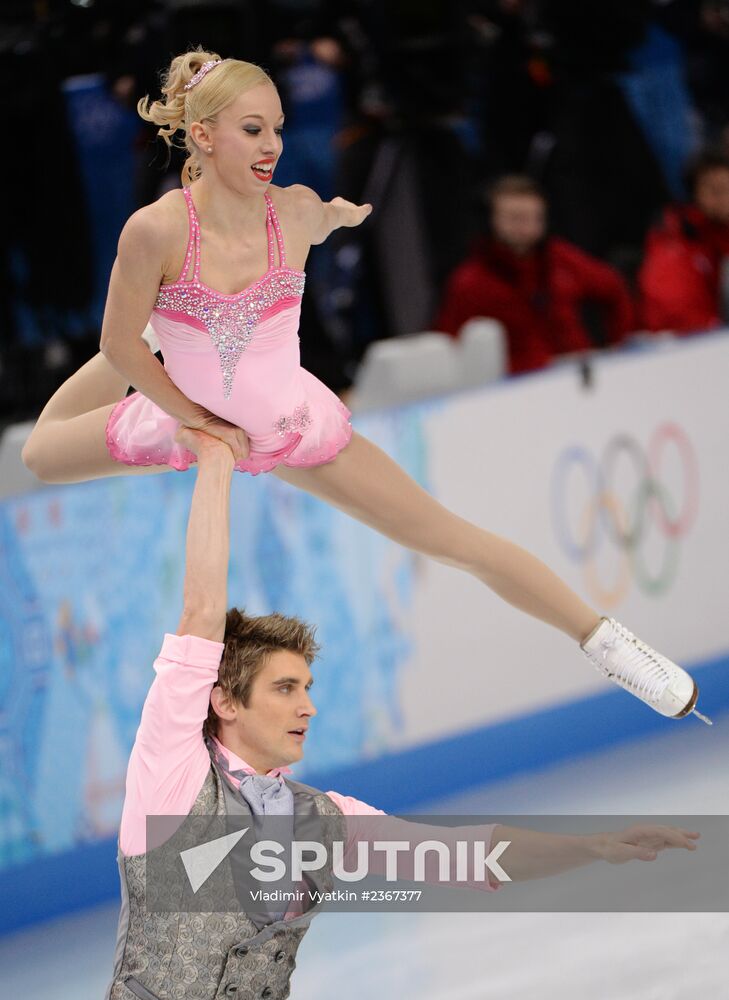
{"x":138,"y":432}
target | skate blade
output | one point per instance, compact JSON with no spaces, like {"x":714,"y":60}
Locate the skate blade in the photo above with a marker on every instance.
{"x":704,"y":718}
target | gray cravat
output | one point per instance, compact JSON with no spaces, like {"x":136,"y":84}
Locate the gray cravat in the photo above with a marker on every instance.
{"x":266,"y":796}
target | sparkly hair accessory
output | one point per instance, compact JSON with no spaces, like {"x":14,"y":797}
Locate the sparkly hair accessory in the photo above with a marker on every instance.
{"x":203,"y":71}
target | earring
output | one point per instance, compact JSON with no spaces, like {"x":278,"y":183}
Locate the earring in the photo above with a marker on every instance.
{"x":210,"y":149}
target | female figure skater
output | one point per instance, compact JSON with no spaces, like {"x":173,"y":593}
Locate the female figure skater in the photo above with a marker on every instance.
{"x":218,"y":267}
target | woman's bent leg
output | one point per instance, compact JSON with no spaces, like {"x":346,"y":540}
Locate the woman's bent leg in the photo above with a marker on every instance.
{"x":68,"y":442}
{"x":366,"y":483}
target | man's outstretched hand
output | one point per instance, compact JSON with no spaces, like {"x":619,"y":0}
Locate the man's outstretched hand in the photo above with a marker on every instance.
{"x":642,"y":842}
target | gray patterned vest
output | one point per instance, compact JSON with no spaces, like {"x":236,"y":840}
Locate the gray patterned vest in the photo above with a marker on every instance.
{"x":207,"y":956}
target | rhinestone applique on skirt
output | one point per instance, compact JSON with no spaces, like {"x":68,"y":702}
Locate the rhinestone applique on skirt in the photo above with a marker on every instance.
{"x":297,"y":422}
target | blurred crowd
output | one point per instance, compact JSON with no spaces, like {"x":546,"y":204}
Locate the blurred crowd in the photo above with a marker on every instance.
{"x":558,"y":165}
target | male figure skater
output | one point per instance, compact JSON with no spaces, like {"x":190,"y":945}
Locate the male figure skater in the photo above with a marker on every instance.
{"x":226,"y":714}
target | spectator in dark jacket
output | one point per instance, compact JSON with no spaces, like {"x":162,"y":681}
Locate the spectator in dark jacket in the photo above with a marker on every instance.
{"x":681,"y":278}
{"x":540,"y":287}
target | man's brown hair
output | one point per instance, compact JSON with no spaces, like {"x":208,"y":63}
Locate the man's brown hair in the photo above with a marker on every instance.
{"x":248,"y":642}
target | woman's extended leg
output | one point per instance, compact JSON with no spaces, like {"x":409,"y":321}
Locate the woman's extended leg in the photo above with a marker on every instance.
{"x":366,"y":483}
{"x":68,"y":442}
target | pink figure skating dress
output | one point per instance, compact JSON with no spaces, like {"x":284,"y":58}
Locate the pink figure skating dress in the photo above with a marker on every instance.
{"x":238,"y":356}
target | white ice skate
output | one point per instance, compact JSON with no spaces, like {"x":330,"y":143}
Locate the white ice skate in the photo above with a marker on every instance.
{"x":635,"y":666}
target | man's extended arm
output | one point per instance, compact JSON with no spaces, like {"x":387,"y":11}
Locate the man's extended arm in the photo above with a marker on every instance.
{"x":169,"y":760}
{"x":530,"y":854}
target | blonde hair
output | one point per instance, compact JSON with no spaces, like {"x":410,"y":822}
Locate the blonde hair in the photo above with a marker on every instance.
{"x":179,"y":108}
{"x":248,"y":643}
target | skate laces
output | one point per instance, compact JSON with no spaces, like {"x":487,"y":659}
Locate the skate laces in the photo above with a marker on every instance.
{"x":640,"y":670}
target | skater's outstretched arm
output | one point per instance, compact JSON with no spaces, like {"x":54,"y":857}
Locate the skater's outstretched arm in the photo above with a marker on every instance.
{"x":321,"y":218}
{"x":507,"y":853}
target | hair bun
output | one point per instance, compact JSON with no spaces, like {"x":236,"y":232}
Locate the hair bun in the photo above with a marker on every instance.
{"x":181,"y":103}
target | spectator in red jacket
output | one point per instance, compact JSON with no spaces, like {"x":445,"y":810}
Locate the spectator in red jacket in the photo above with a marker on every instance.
{"x":540,"y":287}
{"x":681,"y":277}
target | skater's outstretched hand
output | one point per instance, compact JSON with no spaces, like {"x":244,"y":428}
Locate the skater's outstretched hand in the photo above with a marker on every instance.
{"x":349,"y":214}
{"x":235,"y":437}
{"x":642,"y":842}
{"x":323,"y":217}
{"x":532,"y":854}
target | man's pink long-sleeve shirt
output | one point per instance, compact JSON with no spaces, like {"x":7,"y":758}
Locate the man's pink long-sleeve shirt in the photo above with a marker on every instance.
{"x":169,"y":760}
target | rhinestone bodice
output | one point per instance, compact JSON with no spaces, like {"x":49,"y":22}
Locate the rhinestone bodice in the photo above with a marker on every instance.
{"x":230,"y":320}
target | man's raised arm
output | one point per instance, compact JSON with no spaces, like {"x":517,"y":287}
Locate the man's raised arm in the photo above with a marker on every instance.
{"x":169,"y":760}
{"x":208,"y":539}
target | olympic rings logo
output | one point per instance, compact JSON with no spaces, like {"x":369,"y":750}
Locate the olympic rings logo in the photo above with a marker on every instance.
{"x":623,"y":518}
